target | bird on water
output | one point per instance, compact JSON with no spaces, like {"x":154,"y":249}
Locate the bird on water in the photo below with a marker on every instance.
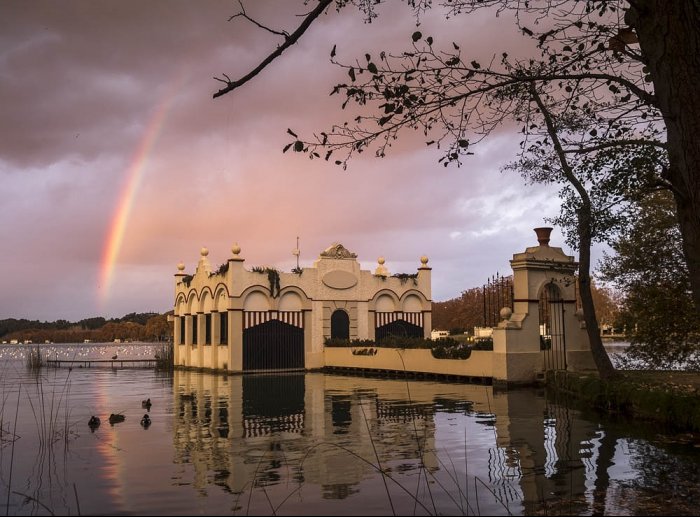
{"x":115,"y":418}
{"x":114,"y":357}
{"x":94,"y":422}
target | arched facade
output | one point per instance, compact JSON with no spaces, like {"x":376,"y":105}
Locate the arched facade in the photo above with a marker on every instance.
{"x":237,"y":319}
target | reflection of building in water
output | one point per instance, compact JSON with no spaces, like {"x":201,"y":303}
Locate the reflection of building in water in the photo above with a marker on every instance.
{"x":552,"y":461}
{"x":237,"y":319}
{"x":286,"y":430}
{"x":248,"y":427}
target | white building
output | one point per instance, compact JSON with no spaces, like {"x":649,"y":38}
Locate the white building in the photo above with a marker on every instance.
{"x":238,"y":319}
{"x":437,"y":334}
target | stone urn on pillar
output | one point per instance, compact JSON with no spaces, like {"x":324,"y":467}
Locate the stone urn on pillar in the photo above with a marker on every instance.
{"x":543,"y":234}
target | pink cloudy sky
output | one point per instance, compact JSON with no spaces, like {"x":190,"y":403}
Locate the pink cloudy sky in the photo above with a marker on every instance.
{"x":110,"y":137}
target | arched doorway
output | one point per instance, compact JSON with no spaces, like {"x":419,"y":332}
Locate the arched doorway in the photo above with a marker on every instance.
{"x":340,"y":325}
{"x":552,"y":339}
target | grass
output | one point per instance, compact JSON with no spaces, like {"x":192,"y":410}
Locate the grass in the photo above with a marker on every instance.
{"x":52,"y":422}
{"x":667,"y":397}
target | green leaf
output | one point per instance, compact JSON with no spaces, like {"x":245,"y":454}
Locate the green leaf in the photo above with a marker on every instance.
{"x":351,"y":73}
{"x":292,"y":133}
{"x":298,"y":146}
{"x":416,"y":36}
{"x":333,"y":51}
{"x":372,"y":68}
{"x":429,"y":40}
{"x":286,"y":148}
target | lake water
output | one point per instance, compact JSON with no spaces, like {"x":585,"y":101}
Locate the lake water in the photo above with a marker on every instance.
{"x":316,"y":444}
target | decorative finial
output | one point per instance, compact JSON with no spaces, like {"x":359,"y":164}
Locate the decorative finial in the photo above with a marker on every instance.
{"x":543,"y":235}
{"x":235,"y":249}
{"x":181,"y":266}
{"x":204,"y":252}
{"x":381,"y":269}
{"x":424,"y":260}
{"x":506,"y":313}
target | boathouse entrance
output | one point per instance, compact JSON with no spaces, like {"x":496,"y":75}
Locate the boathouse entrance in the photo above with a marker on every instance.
{"x":399,"y":324}
{"x":273,"y":340}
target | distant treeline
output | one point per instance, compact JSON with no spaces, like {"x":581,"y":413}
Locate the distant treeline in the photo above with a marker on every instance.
{"x":145,"y":326}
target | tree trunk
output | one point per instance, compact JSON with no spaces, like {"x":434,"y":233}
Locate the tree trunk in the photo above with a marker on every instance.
{"x":600,"y":355}
{"x":670,"y":42}
{"x":585,"y":222}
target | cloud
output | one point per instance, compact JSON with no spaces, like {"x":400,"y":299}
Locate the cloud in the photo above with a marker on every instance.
{"x":81,"y":82}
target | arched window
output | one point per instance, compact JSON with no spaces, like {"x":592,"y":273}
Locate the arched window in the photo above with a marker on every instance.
{"x":340,"y":325}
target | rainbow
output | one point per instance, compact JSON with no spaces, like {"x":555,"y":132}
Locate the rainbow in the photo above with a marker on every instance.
{"x":134,"y":175}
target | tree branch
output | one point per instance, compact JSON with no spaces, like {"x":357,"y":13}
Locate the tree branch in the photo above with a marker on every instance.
{"x":614,"y":143}
{"x":243,"y":14}
{"x":288,"y":42}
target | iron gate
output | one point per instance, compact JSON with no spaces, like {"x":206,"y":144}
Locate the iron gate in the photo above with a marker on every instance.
{"x":401,"y":324}
{"x":273,"y":340}
{"x":552,"y":338}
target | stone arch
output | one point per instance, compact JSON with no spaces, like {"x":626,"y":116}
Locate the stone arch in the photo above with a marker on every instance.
{"x":221,"y":298}
{"x":192,"y":299}
{"x":290,"y":301}
{"x":180,"y":305}
{"x":385,"y":301}
{"x":295,"y":293}
{"x":549,"y":294}
{"x":412,"y":302}
{"x":256,"y":299}
{"x":206,"y":300}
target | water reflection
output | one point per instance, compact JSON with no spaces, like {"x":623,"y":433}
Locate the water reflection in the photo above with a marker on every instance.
{"x":322,"y":444}
{"x":442,"y":448}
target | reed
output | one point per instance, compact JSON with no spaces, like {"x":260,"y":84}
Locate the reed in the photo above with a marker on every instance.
{"x":34,"y":358}
{"x":165,"y":356}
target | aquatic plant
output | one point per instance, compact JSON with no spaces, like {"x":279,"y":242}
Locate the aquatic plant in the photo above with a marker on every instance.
{"x":34,"y":359}
{"x":165,"y":356}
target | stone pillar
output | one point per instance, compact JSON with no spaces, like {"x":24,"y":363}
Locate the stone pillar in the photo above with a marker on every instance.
{"x":179,"y":349}
{"x":313,"y":356}
{"x":188,"y":340}
{"x":235,"y":340}
{"x":198,"y":352}
{"x":425,"y":285}
{"x":516,"y":341}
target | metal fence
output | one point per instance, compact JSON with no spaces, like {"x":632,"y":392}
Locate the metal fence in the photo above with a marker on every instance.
{"x":497,"y":293}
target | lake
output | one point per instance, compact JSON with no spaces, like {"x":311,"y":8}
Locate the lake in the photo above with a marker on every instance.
{"x":316,"y":444}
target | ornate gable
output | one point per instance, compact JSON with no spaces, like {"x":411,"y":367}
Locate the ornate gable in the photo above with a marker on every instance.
{"x":337,"y":251}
